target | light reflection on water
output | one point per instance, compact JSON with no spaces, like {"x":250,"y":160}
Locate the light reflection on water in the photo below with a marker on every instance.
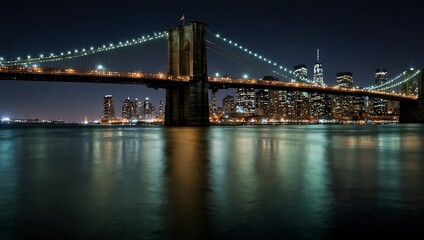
{"x":248,"y":182}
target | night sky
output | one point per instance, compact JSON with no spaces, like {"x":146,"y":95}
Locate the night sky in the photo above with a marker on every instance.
{"x":355,"y":36}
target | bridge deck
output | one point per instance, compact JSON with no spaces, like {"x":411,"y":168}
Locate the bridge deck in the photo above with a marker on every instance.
{"x":160,"y":80}
{"x":89,"y":76}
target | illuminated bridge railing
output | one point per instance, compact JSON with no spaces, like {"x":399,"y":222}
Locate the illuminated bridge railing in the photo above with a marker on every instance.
{"x":90,"y":73}
{"x":236,"y":82}
{"x":158,"y":80}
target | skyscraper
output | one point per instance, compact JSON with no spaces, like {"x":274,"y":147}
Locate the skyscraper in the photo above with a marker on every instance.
{"x":299,"y":101}
{"x":344,"y":79}
{"x":228,"y":106}
{"x":161,"y":112}
{"x":317,"y":102}
{"x":134,"y":108}
{"x":108,"y":109}
{"x":262,"y":102}
{"x":343,"y":104}
{"x":212,"y":102}
{"x":127,"y":109}
{"x":245,"y":100}
{"x":318,"y":71}
{"x":147,"y":110}
{"x":380,"y":105}
{"x":277,"y":100}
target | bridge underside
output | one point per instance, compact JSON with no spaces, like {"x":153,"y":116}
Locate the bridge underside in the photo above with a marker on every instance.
{"x":411,"y":112}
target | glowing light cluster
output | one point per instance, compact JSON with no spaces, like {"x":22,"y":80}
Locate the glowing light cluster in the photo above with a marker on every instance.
{"x":285,"y":76}
{"x":260,"y":57}
{"x":401,"y":82}
{"x":386,"y":83}
{"x":80,"y":52}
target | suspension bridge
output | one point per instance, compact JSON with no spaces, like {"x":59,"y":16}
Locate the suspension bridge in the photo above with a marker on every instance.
{"x":187,"y":82}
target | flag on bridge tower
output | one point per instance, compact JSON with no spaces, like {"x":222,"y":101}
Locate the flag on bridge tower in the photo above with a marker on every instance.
{"x":182,"y":18}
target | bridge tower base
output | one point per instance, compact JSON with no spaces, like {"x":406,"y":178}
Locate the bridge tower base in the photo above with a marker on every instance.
{"x":187,"y":105}
{"x":413,"y":112}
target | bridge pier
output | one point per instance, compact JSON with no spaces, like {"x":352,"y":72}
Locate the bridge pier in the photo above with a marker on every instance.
{"x":188,"y":105}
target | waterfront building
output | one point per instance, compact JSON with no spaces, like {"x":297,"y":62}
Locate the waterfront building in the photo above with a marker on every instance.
{"x":262,"y":103}
{"x":108,"y":109}
{"x":127,"y":109}
{"x":380,"y":106}
{"x":298,"y":102}
{"x":277,"y":98}
{"x":161,"y":114}
{"x":358,"y":107}
{"x":148,"y":110}
{"x":343,"y":104}
{"x":212,"y":103}
{"x":317,"y":102}
{"x":228,"y":105}
{"x":245,"y":100}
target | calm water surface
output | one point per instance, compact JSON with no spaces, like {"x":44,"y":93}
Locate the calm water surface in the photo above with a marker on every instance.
{"x":253,"y":182}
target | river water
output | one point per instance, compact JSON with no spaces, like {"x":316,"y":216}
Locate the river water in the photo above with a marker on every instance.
{"x":244,"y":182}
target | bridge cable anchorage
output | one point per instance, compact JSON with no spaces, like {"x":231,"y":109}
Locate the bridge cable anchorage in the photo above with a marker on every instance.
{"x":258,"y":57}
{"x":65,"y":55}
{"x":382,"y":88}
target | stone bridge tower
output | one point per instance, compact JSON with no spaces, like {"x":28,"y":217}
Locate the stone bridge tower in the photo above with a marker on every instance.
{"x":188,"y":105}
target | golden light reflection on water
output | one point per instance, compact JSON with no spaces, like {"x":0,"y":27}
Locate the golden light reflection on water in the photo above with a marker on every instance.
{"x":187,"y":172}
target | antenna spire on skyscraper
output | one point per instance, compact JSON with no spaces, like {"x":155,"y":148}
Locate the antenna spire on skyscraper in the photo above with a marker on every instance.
{"x":318,"y":55}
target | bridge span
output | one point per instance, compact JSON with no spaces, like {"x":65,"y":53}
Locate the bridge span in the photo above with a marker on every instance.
{"x":160,"y":80}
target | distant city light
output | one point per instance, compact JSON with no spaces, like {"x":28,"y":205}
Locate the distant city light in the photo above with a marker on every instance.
{"x":245,"y":76}
{"x":5,"y":119}
{"x":100,"y":67}
{"x":216,"y":74}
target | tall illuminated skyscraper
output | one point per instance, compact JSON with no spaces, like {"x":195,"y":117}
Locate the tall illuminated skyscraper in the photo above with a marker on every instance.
{"x":317,"y":106}
{"x":228,"y":105}
{"x":161,"y":112}
{"x":108,"y":109}
{"x":298,"y":102}
{"x":245,"y":100}
{"x":300,"y":73}
{"x":343,"y":104}
{"x":380,"y":105}
{"x":127,"y":109}
{"x":318,"y":71}
{"x":212,"y":102}
{"x":262,"y":102}
{"x":277,"y":100}
{"x":148,"y":109}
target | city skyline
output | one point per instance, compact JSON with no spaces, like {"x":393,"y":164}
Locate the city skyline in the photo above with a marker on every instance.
{"x":355,"y":37}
